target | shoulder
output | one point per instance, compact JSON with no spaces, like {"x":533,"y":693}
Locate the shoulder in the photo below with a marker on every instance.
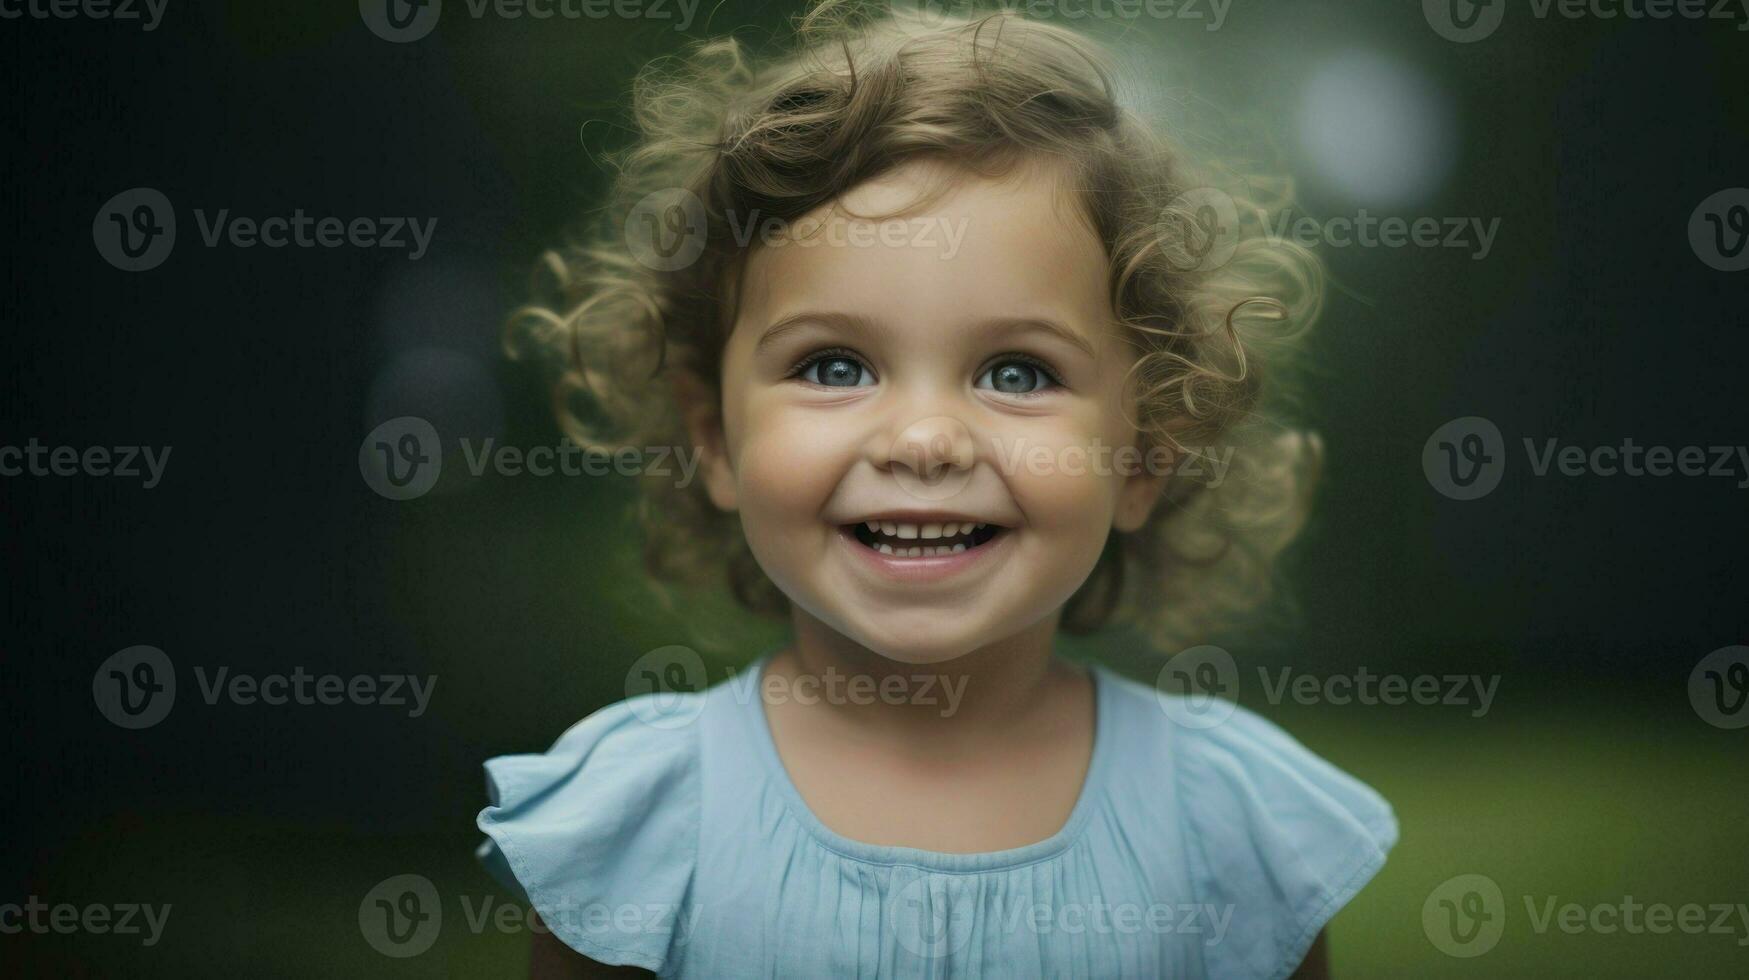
{"x":1269,"y":833}
{"x":599,"y":832}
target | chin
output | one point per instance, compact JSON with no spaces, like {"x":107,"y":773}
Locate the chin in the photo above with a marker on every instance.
{"x":922,"y":641}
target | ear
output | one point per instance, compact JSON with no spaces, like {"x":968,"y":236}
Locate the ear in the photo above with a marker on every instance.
{"x":1143,"y":488}
{"x":701,"y":410}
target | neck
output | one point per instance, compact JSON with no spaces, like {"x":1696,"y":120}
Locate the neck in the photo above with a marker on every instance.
{"x":996,"y":685}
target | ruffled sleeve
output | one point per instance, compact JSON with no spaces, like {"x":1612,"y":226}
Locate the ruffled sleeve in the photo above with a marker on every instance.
{"x":1276,"y":838}
{"x":599,"y":833}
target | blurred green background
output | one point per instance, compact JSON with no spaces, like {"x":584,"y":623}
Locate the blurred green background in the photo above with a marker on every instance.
{"x":1591,"y":319}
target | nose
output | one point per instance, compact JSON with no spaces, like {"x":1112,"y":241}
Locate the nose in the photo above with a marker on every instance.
{"x":931,"y":457}
{"x":930,"y":445}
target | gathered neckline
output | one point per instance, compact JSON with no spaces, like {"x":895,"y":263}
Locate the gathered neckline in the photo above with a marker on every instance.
{"x":1092,"y":792}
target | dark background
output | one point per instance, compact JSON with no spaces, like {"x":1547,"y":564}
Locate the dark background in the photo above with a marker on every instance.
{"x":263,"y":549}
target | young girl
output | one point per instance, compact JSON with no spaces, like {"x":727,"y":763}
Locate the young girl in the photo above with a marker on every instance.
{"x":969,"y":359}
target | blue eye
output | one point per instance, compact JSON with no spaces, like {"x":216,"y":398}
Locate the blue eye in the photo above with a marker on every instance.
{"x":1016,"y":377}
{"x":836,"y":371}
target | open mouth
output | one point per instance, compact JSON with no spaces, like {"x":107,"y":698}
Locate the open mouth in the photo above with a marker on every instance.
{"x":902,"y":540}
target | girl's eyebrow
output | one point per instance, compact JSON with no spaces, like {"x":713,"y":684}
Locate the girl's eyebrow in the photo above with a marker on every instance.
{"x":1004,"y":326}
{"x":855,"y":323}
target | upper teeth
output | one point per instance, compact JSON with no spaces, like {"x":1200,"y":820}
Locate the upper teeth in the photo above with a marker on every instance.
{"x":945,"y":530}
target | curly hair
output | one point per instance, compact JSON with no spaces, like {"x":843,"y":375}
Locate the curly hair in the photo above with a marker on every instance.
{"x":1209,"y":305}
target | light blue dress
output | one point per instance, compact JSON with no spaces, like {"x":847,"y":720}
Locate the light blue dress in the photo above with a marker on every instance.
{"x":663,"y":832}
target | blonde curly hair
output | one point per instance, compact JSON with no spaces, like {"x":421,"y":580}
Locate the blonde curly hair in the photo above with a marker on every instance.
{"x":1208,"y":302}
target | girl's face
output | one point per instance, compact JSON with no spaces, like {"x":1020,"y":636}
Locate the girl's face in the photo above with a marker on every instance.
{"x":922,"y":421}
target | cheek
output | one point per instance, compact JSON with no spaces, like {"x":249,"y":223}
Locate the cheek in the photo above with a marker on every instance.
{"x":1065,"y":480}
{"x":1066,"y":488}
{"x":787,"y":464}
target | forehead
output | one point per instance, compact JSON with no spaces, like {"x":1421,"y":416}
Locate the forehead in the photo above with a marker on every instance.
{"x":1016,"y":245}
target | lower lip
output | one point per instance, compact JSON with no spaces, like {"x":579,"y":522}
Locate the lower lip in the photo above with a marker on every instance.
{"x":925,"y":569}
